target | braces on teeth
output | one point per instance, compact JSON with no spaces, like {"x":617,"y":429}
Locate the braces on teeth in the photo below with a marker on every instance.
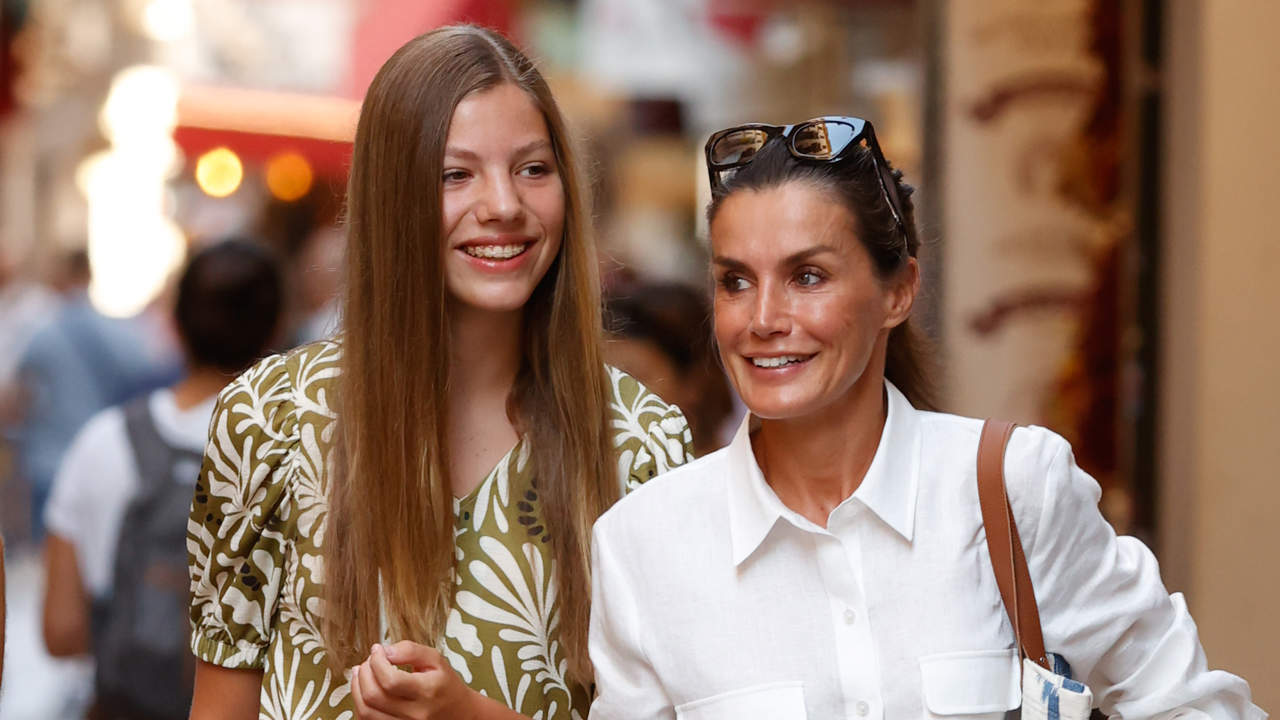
{"x":499,"y":252}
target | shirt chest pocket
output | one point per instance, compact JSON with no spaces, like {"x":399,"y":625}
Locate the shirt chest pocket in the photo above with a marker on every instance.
{"x":774,"y":701}
{"x":978,"y":684}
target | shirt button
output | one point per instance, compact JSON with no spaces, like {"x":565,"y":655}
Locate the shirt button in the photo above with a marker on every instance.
{"x":863,"y":708}
{"x":850,"y":616}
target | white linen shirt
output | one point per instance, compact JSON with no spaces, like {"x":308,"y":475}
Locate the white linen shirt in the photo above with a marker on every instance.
{"x":712,"y":599}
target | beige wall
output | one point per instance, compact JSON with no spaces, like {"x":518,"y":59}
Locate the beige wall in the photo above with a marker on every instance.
{"x":1220,"y":418}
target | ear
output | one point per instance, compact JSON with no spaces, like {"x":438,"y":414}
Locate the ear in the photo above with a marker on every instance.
{"x":900,"y":294}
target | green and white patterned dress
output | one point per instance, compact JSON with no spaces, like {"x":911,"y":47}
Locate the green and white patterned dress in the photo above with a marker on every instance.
{"x":257,"y":526}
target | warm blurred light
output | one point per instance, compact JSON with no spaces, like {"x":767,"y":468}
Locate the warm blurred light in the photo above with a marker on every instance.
{"x":133,"y":246}
{"x":289,"y":176}
{"x":141,"y":106}
{"x":168,"y":20}
{"x":219,"y":172}
{"x":133,"y":243}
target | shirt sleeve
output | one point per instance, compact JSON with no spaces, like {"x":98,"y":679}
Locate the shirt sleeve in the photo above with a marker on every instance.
{"x":627,"y":688}
{"x":651,"y":435}
{"x":240,"y":519}
{"x":66,"y":508}
{"x":95,"y":482}
{"x":1103,"y":606}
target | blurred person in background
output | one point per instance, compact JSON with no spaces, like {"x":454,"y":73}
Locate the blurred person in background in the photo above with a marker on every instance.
{"x":396,"y":523}
{"x":24,"y":307}
{"x":78,"y":363}
{"x":659,"y":332}
{"x":116,"y":580}
{"x":840,"y":534}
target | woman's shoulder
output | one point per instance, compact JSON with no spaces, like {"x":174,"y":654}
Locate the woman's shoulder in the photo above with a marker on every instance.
{"x":1030,"y":446}
{"x":272,"y":396}
{"x":627,"y":395}
{"x":651,"y":435}
{"x":276,"y":410}
{"x":689,"y":487}
{"x":1039,"y":465}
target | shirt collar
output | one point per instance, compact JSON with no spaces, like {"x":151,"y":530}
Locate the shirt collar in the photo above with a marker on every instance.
{"x":889,"y":488}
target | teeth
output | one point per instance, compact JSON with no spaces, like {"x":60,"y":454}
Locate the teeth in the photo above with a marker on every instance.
{"x":500,"y":252}
{"x":776,"y":362}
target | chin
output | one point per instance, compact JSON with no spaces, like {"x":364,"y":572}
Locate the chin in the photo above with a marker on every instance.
{"x":500,"y":297}
{"x":495,"y":304}
{"x":779,"y":406}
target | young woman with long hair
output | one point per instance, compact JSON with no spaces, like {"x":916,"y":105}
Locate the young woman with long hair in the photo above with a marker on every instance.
{"x":831,"y":560}
{"x":396,"y":523}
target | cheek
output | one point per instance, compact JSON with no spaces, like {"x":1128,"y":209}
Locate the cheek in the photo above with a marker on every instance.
{"x":548,"y":205}
{"x":728,"y":321}
{"x":453,"y":205}
{"x":849,"y":320}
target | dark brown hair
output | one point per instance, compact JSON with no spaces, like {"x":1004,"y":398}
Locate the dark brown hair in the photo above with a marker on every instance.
{"x":390,"y":526}
{"x":854,"y":181}
{"x":230,"y":298}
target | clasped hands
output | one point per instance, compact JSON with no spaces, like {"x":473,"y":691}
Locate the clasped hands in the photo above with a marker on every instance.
{"x":428,"y":690}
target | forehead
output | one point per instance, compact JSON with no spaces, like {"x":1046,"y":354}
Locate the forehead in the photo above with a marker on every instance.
{"x":764,"y":225}
{"x":497,"y":118}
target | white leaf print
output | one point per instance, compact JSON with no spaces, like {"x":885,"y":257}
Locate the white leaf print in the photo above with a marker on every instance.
{"x":462,"y":633}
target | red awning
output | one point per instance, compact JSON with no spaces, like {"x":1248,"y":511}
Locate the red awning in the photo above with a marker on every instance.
{"x":258,"y":125}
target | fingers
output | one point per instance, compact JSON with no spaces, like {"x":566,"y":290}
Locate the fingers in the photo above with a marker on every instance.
{"x":374,"y":702}
{"x":394,"y":681}
{"x":418,"y":657}
{"x":363,"y":710}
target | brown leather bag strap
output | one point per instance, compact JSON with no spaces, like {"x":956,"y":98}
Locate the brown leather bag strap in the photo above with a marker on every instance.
{"x":1004,"y":544}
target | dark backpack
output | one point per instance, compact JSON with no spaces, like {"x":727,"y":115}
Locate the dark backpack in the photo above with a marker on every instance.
{"x":141,"y":631}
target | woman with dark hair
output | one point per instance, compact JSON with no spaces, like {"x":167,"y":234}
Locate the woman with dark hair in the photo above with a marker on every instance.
{"x":831,"y":561}
{"x":397,"y":523}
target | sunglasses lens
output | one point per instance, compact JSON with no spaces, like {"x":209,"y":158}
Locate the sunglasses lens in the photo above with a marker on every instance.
{"x":737,"y":146}
{"x":823,"y":139}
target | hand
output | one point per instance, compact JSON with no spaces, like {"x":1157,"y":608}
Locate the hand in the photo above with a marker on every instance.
{"x":430,"y":691}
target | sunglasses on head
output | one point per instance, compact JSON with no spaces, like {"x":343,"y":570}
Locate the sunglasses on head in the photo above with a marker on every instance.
{"x":820,"y":140}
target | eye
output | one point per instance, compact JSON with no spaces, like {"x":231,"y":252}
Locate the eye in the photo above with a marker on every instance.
{"x":733,"y":283}
{"x":535,"y":170}
{"x":455,"y":175}
{"x":808,"y":278}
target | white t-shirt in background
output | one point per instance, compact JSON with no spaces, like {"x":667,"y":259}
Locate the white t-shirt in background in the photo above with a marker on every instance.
{"x":98,"y":477}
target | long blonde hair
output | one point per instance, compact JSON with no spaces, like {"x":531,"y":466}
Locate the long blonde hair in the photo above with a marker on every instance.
{"x":391,"y":507}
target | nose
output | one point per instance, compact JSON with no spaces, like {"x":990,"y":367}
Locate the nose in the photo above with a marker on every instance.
{"x":771,"y":314}
{"x":499,"y":200}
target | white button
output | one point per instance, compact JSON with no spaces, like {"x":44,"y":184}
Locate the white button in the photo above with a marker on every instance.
{"x":863,"y":708}
{"x":849,"y":616}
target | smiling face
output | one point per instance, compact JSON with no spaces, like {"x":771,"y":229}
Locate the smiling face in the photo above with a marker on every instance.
{"x":503,"y":201}
{"x":801,"y":317}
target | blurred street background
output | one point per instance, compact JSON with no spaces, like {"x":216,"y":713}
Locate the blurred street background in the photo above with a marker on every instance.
{"x":1093,"y":178}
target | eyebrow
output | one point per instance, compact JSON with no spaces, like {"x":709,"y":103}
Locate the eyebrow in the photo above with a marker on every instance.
{"x":529,"y":147}
{"x":792,"y":259}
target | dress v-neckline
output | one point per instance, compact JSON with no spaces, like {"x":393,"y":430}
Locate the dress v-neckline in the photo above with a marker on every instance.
{"x":473,"y":493}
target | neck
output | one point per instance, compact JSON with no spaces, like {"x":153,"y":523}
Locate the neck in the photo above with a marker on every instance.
{"x":200,"y":384}
{"x":485,"y":354}
{"x":816,"y":462}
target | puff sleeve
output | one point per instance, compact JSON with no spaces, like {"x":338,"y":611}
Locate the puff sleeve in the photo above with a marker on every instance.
{"x":651,"y":435}
{"x":238,"y":530}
